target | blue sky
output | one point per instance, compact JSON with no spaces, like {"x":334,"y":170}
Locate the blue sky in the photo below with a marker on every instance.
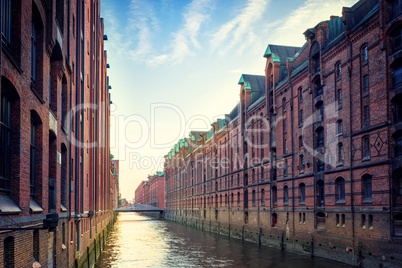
{"x":175,"y":65}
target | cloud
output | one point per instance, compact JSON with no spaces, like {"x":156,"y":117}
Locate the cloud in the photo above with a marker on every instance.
{"x":185,"y":39}
{"x":142,"y":23}
{"x":239,"y":31}
{"x":290,"y":31}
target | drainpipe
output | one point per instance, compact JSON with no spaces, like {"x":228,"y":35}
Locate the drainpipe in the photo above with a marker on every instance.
{"x":352,"y":206}
{"x":1,"y":54}
{"x":82,"y":102}
{"x":292,"y":144}
{"x":70,"y":100}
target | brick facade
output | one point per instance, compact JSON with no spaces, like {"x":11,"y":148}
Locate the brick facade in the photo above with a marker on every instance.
{"x":54,"y":202}
{"x":309,"y":158}
{"x":151,"y":192}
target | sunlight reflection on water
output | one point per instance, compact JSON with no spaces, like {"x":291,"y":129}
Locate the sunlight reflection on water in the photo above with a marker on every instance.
{"x":139,"y":241}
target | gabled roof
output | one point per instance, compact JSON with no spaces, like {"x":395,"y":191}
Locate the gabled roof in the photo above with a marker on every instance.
{"x":280,"y":53}
{"x":253,"y":82}
{"x":359,"y":12}
{"x":235,"y":112}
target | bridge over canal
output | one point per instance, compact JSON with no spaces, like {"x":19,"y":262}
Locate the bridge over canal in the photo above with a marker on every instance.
{"x":141,"y":208}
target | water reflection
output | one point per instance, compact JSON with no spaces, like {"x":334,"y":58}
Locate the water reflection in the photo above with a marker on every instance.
{"x":139,"y":241}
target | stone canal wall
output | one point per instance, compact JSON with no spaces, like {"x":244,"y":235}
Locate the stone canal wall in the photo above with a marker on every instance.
{"x":317,"y":243}
{"x":88,"y":257}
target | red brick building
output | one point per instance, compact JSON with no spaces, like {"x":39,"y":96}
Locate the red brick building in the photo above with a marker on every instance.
{"x":115,"y":183}
{"x":151,"y":192}
{"x":55,"y":174}
{"x":309,"y":160}
{"x":139,"y":195}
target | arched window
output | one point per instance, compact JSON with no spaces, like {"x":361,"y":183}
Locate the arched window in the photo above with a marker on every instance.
{"x":238,"y":199}
{"x":254,"y":201}
{"x":340,"y":190}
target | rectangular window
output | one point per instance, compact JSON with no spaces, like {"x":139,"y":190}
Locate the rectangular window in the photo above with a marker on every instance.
{"x":302,"y":189}
{"x":338,"y":70}
{"x":320,"y":165}
{"x":301,"y":117}
{"x":340,"y":153}
{"x":300,"y":95}
{"x":343,"y":220}
{"x":285,"y":125}
{"x":6,"y":21}
{"x":285,"y":168}
{"x":285,"y":195}
{"x":366,"y":148}
{"x":339,"y":97}
{"x":32,"y":160}
{"x":365,"y":53}
{"x":367,"y":188}
{"x":365,"y":84}
{"x":366,"y":116}
{"x":5,"y":143}
{"x":340,"y":183}
{"x":339,"y":130}
{"x":301,"y":163}
{"x":33,"y":52}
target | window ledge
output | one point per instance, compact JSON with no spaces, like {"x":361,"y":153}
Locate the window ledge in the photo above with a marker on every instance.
{"x":8,"y":206}
{"x":340,"y":202}
{"x":367,"y":201}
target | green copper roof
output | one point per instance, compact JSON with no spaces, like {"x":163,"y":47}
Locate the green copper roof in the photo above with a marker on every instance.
{"x":247,"y":84}
{"x":268,"y":52}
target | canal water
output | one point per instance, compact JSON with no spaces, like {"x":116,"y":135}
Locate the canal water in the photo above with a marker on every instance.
{"x":141,"y":241}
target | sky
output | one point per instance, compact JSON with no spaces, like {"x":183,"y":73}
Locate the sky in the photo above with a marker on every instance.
{"x":175,"y":67}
